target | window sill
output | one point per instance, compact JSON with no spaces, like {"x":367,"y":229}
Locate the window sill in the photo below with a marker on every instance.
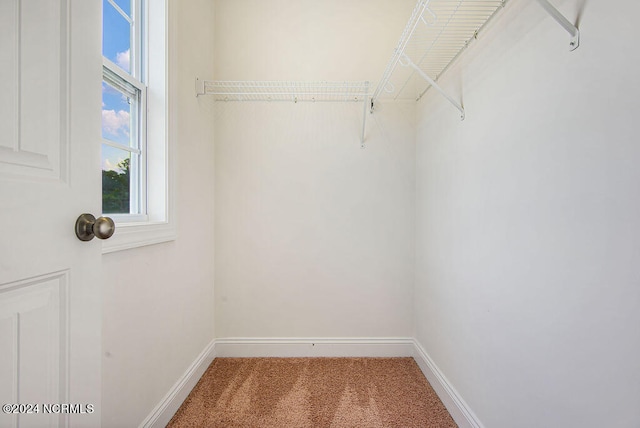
{"x":134,"y":235}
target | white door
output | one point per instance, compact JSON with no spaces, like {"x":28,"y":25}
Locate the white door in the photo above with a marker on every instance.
{"x":50,"y":297}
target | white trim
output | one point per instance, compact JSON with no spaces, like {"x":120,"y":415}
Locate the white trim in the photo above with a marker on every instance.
{"x":120,"y":146}
{"x":136,"y":235}
{"x":122,"y":74}
{"x":160,"y":198}
{"x":171,"y":402}
{"x":243,"y":347}
{"x":272,"y":347}
{"x":457,"y":407}
{"x":315,"y":347}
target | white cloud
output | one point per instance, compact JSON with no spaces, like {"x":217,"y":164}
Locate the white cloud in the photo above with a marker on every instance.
{"x":115,"y":123}
{"x":108,"y":165}
{"x":123,"y":59}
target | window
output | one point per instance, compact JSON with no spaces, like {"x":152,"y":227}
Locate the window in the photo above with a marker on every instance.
{"x":135,"y":185}
{"x":123,"y":110}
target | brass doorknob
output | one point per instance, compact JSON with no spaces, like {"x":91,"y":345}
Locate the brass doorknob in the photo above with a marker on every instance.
{"x":88,"y":227}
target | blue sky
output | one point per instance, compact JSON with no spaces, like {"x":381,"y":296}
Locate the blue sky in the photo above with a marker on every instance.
{"x":116,"y":111}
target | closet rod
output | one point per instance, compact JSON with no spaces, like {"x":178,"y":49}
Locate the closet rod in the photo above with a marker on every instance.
{"x":289,"y":91}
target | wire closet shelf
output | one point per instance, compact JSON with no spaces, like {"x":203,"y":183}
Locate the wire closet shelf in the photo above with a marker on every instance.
{"x":438,"y":31}
{"x":292,"y":91}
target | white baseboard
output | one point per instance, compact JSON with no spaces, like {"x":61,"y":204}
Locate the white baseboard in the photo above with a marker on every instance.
{"x":459,"y":410}
{"x":169,"y":405}
{"x":312,"y":347}
{"x":315,"y":347}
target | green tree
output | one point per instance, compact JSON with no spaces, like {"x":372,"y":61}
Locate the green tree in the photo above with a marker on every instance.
{"x":115,"y":189}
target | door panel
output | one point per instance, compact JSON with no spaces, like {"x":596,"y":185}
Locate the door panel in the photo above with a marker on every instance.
{"x":32,"y":76}
{"x":33,"y":317}
{"x":50,"y":297}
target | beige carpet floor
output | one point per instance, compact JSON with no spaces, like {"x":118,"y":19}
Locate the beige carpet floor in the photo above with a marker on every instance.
{"x":312,"y":392}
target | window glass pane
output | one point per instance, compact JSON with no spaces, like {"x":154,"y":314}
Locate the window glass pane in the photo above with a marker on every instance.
{"x":116,"y":37}
{"x":125,"y":5}
{"x":117,"y":108}
{"x":116,"y":180}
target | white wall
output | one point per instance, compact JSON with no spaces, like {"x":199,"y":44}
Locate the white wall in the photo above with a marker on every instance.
{"x":528,"y":221}
{"x":314,"y":236}
{"x":158,"y":300}
{"x":306,"y":39}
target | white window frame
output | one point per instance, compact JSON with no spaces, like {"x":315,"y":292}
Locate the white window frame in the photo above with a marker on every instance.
{"x":113,"y":75}
{"x":156,"y":223}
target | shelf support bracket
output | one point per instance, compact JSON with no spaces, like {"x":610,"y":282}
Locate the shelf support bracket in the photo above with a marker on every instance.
{"x":574,"y":42}
{"x":406,"y":61}
{"x":199,"y":87}
{"x":364,"y":120}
